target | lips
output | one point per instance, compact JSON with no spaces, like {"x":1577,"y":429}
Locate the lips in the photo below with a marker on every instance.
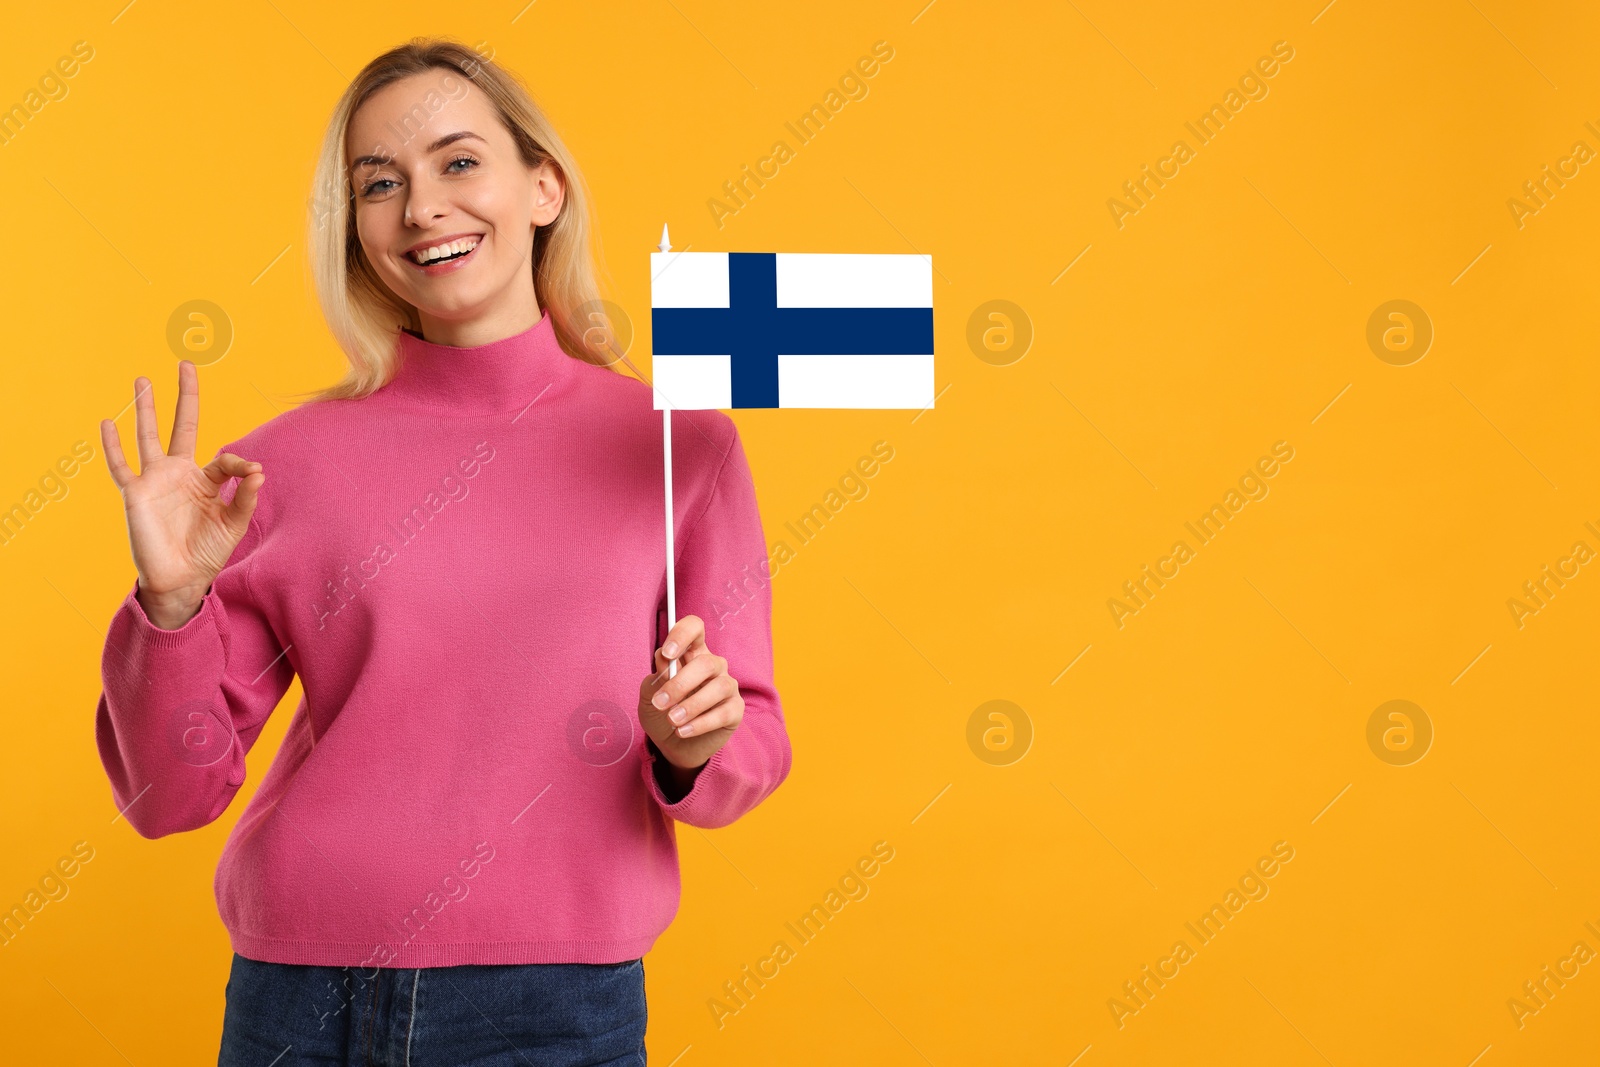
{"x":446,"y":263}
{"x":443,"y":239}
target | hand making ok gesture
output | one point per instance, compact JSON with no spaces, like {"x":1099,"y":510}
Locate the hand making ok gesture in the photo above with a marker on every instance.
{"x":181,"y":532}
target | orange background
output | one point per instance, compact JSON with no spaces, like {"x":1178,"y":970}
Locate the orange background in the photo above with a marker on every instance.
{"x":1042,"y":860}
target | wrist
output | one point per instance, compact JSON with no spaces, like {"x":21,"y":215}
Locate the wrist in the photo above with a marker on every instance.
{"x":676,"y":782}
{"x":171,"y":610}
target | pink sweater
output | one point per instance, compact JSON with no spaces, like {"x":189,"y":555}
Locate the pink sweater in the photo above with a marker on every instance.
{"x":466,"y":569}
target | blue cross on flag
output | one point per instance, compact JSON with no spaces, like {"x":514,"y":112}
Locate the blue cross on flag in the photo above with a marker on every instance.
{"x":791,"y":330}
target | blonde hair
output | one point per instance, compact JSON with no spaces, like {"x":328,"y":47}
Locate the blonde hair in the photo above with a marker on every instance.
{"x":363,"y":315}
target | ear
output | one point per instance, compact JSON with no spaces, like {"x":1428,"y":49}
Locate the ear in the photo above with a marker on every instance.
{"x":549,"y":193}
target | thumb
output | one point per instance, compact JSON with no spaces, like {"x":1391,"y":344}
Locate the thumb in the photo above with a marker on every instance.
{"x":251,"y":477}
{"x":244,"y":502}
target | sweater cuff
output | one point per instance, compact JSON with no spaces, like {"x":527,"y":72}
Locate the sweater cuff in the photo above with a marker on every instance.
{"x":682,"y":810}
{"x":150,"y":635}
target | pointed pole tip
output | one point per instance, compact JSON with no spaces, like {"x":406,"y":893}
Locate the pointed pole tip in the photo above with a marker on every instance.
{"x":666,"y":242}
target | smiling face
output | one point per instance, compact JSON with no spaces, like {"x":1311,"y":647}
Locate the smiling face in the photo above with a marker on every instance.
{"x":456,"y":194}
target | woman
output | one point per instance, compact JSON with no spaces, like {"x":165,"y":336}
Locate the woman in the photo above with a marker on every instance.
{"x":465,"y":844}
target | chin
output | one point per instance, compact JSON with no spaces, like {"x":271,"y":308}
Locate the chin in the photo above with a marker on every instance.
{"x":454,"y":305}
{"x":463,"y":310}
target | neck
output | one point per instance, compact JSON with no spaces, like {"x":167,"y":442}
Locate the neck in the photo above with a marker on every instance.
{"x":499,"y":376}
{"x":512,"y":316}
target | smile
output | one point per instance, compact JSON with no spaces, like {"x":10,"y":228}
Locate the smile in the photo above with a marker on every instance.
{"x":438,"y":258}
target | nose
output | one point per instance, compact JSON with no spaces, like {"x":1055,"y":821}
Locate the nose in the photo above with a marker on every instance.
{"x":425,"y":201}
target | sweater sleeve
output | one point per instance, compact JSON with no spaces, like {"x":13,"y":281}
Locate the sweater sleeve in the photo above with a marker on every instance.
{"x":179,"y":709}
{"x":722,"y":576}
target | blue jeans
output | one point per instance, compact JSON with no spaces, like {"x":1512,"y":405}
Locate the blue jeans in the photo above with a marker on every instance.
{"x":529,"y":1015}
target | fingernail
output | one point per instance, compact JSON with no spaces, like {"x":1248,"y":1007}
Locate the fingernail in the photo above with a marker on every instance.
{"x":679,"y":715}
{"x":670,"y":649}
{"x":683,"y":731}
{"x":661,"y":700}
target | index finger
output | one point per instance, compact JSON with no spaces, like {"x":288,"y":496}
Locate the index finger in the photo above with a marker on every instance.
{"x":686,"y":634}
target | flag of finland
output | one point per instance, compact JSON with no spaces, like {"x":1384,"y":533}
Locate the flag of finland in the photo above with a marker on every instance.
{"x":791,"y":330}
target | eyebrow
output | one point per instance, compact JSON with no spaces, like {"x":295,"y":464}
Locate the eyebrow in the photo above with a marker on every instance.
{"x":443,"y":142}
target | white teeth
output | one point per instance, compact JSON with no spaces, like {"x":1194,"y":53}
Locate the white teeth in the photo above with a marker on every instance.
{"x":449,"y":248}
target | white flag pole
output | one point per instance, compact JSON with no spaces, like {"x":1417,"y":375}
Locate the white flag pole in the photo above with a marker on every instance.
{"x":666,"y":453}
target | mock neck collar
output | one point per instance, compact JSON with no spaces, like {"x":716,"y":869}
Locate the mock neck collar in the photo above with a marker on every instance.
{"x":502,"y":376}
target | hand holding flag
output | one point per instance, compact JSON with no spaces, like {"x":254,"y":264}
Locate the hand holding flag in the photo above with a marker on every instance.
{"x":690,"y":714}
